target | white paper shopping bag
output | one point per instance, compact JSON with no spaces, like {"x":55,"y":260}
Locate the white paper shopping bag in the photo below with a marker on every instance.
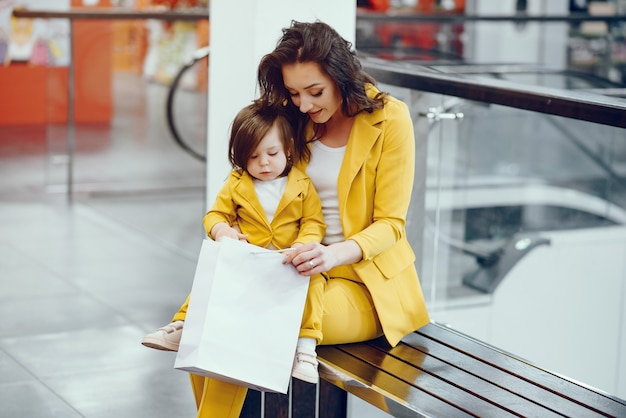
{"x":244,"y":316}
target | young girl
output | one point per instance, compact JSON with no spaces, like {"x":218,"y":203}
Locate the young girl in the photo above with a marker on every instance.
{"x":267,"y":202}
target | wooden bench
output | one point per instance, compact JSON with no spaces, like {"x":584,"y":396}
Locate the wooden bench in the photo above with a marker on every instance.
{"x":434,"y":372}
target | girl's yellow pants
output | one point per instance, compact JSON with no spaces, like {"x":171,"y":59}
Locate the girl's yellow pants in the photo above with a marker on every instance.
{"x":338,"y":311}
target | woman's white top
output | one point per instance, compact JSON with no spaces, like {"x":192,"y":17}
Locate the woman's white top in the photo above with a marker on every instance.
{"x":323,"y":169}
{"x":269,"y":194}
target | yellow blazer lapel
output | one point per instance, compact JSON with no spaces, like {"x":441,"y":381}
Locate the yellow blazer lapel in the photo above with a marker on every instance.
{"x":292,"y":190}
{"x":246,"y":196}
{"x":363,"y":136}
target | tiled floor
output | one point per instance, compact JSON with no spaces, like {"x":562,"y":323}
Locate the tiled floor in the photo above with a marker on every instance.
{"x":82,"y":282}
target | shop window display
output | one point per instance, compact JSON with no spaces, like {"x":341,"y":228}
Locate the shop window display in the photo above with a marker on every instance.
{"x":33,"y":41}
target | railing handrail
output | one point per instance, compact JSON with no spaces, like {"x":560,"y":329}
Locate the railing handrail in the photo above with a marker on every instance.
{"x":449,"y":17}
{"x":201,"y":13}
{"x":579,"y":105}
{"x":190,"y":14}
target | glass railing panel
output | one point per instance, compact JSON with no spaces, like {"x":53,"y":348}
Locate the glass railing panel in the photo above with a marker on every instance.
{"x":501,"y":171}
{"x":132,"y":53}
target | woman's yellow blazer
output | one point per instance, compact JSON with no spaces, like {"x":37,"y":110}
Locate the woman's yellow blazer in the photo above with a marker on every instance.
{"x":374,"y":188}
{"x":298,"y":217}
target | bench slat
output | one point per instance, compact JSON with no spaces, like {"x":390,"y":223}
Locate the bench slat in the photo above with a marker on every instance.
{"x":385,"y":391}
{"x":487,"y":376}
{"x":415,"y":367}
{"x":593,"y":400}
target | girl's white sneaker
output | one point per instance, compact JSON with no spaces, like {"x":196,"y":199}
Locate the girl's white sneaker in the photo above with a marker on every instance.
{"x":305,"y":365}
{"x":166,"y":338}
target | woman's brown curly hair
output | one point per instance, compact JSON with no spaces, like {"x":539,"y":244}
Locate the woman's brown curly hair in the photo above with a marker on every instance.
{"x":320,"y":43}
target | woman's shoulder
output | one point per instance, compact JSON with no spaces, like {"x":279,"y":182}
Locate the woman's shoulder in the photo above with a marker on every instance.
{"x":391,"y":105}
{"x":392,"y":101}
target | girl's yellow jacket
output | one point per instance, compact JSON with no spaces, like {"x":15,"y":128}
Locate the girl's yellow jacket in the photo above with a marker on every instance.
{"x":374,"y":186}
{"x":298,"y":217}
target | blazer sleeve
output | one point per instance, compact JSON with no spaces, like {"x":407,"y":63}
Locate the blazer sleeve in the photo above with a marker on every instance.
{"x":223,"y":209}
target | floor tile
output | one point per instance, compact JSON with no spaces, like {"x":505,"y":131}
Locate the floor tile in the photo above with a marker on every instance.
{"x":55,"y":313}
{"x":12,"y":371}
{"x":33,"y":399}
{"x":134,"y":392}
{"x":93,"y":350}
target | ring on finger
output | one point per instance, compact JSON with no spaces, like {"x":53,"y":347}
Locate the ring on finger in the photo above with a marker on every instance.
{"x":311,"y":263}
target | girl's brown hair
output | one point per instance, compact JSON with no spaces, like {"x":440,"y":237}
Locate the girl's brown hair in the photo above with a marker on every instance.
{"x":248,"y":129}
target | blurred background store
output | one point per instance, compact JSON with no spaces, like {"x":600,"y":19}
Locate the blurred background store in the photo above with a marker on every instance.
{"x":84,"y":276}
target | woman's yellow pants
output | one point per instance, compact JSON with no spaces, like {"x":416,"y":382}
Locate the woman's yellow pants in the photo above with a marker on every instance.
{"x":347,"y":315}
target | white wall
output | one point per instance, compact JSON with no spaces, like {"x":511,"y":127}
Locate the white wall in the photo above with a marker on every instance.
{"x":562,"y":306}
{"x":241,"y":32}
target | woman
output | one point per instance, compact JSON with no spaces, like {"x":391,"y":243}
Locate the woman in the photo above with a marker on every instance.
{"x":357,"y":146}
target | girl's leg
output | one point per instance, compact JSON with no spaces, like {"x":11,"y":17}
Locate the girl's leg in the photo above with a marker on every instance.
{"x":168,"y":336}
{"x":305,"y":362}
{"x":215,"y":398}
{"x":182,"y":312}
{"x":349,"y":314}
{"x":197,"y":385}
{"x":311,"y":326}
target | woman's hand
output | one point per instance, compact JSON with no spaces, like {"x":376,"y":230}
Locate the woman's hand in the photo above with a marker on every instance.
{"x":222,"y":230}
{"x":310,"y":258}
{"x":314,"y":258}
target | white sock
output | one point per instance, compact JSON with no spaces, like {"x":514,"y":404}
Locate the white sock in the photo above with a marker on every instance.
{"x":307,"y":343}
